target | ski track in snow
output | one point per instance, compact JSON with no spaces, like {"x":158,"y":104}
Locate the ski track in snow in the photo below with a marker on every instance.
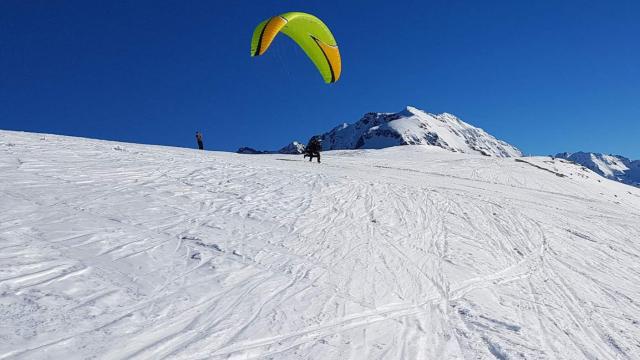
{"x":111,"y":250}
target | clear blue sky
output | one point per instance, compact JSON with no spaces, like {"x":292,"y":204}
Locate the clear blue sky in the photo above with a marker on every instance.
{"x":547,"y":76}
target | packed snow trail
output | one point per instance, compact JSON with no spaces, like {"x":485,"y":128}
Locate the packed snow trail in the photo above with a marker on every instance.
{"x":114,"y":250}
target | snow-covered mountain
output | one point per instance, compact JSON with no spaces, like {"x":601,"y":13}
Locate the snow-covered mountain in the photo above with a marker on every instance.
{"x":124,"y":251}
{"x":251,"y":151}
{"x":409,"y":127}
{"x":293,"y":148}
{"x":416,"y":127}
{"x":615,"y":167}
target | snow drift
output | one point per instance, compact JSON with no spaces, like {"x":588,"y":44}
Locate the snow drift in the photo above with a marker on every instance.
{"x":117,"y":250}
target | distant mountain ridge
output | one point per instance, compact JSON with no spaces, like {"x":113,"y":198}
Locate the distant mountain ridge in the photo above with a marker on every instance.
{"x":292,"y":148}
{"x":614,"y":167}
{"x":411,"y":126}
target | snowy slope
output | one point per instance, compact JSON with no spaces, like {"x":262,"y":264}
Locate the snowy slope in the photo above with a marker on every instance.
{"x":416,"y":127}
{"x":613,"y":167}
{"x":114,"y":250}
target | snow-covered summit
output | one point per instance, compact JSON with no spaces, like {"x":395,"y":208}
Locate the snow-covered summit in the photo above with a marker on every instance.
{"x":410,"y":126}
{"x":413,"y":126}
{"x":293,"y":148}
{"x":615,"y":167}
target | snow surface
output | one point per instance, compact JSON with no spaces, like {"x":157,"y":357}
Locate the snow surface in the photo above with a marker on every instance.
{"x":413,"y":126}
{"x":113,"y":250}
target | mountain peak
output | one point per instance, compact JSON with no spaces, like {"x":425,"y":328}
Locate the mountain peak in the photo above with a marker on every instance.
{"x":410,"y":111}
{"x":413,"y":126}
{"x":293,"y":148}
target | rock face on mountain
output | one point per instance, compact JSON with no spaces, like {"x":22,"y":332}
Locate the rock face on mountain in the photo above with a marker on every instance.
{"x":416,"y":127}
{"x":614,"y":167}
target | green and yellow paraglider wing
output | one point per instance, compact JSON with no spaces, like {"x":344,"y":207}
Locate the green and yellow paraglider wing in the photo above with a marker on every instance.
{"x":310,"y":33}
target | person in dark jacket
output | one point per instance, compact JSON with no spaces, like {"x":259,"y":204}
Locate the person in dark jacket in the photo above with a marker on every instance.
{"x":313,"y":148}
{"x":199,"y":140}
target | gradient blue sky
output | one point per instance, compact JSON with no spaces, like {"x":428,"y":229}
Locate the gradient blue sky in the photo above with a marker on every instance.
{"x":547,"y":76}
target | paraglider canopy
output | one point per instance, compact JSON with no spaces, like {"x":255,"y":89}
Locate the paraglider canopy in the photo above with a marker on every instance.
{"x":310,"y":33}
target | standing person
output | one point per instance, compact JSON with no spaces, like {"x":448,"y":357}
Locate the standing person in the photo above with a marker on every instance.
{"x":313,"y":148}
{"x":199,"y":139}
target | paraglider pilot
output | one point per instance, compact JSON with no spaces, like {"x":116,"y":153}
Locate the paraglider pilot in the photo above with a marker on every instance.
{"x":313,"y":148}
